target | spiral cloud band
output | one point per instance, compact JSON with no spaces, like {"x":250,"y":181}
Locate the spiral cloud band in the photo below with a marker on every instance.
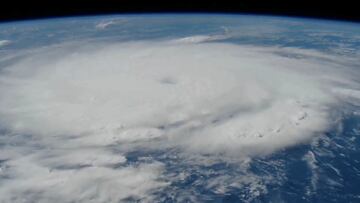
{"x":74,"y":113}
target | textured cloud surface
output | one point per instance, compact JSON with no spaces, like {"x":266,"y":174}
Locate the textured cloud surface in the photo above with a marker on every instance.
{"x":63,"y":110}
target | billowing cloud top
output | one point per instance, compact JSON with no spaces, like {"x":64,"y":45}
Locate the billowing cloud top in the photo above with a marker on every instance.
{"x":68,"y":107}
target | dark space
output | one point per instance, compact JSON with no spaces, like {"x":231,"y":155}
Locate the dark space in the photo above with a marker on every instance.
{"x":21,"y":10}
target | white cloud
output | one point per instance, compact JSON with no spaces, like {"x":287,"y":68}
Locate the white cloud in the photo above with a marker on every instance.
{"x":201,"y":91}
{"x":4,"y":42}
{"x":312,"y":164}
{"x":29,"y":180}
{"x":105,"y":24}
{"x":202,"y":38}
{"x":210,"y":98}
